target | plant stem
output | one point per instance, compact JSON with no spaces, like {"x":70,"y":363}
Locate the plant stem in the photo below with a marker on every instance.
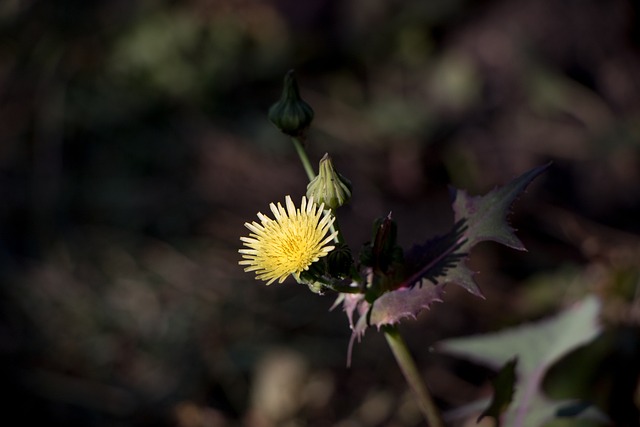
{"x":336,"y":227}
{"x":411,"y":374}
{"x":303,"y":157}
{"x":344,"y":289}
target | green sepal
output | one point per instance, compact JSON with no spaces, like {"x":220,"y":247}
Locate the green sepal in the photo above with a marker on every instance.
{"x":339,"y":261}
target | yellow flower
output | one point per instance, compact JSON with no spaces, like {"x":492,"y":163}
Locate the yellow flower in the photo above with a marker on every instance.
{"x":290,"y":243}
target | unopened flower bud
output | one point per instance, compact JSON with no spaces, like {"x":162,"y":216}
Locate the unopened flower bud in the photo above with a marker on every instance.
{"x":339,"y":261}
{"x":291,"y":114}
{"x":384,"y":251}
{"x":312,"y":276}
{"x":329,"y":187}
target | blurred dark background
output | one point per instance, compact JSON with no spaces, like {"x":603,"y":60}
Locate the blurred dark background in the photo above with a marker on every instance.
{"x":134,"y":144}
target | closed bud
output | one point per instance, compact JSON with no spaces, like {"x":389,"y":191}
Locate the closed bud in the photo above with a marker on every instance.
{"x":291,"y":114}
{"x":329,"y":187}
{"x":312,"y":277}
{"x":339,"y":261}
{"x":384,"y":249}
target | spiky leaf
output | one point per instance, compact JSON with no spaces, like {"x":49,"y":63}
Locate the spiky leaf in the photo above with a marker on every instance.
{"x":477,"y":219}
{"x":485,"y":219}
{"x":441,"y":260}
{"x":537,"y":346}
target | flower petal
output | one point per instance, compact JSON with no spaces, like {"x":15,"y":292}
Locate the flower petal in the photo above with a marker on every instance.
{"x":288,"y":244}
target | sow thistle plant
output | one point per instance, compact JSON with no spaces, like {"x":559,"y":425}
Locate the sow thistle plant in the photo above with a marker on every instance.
{"x":386,"y":283}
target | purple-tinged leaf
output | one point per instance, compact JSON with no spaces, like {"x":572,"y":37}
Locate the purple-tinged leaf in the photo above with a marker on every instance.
{"x":404,"y":302}
{"x":428,"y":267}
{"x":486,"y":219}
{"x":394,"y":306}
{"x":434,"y":258}
{"x":352,"y":303}
{"x":486,"y":216}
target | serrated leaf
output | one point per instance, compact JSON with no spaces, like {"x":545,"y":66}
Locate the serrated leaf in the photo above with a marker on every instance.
{"x":477,"y":219}
{"x":442,"y":259}
{"x":486,"y":219}
{"x":387,"y":309}
{"x":434,"y":258}
{"x":486,"y":216}
{"x":405,"y":302}
{"x":537,"y":346}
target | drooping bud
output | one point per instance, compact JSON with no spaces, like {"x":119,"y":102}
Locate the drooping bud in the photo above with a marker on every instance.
{"x":329,"y":186}
{"x":291,"y":114}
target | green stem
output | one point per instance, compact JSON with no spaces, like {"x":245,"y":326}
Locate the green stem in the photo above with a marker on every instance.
{"x":344,"y":289}
{"x":303,"y":157}
{"x":336,"y":227}
{"x":412,"y":375}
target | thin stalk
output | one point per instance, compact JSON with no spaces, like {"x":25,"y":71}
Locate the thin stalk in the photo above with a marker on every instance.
{"x":412,"y":375}
{"x":303,"y":158}
{"x":336,"y":227}
{"x":344,"y":289}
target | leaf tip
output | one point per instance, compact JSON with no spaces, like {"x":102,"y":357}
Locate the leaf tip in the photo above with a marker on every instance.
{"x":503,"y":384}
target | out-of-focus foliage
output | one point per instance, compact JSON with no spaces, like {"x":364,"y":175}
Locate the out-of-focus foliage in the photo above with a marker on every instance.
{"x":134,"y":143}
{"x":536,"y":346}
{"x":503,"y":385}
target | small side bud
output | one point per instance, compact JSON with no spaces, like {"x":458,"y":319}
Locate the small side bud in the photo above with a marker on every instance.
{"x":385,"y":234}
{"x":291,"y":114}
{"x":329,"y":187}
{"x":312,"y":277}
{"x":339,"y":261}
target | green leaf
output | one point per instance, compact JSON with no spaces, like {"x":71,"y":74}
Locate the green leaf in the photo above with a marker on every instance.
{"x":503,"y":389}
{"x":537,"y":346}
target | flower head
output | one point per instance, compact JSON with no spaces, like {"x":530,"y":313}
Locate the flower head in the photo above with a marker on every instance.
{"x":288,"y":244}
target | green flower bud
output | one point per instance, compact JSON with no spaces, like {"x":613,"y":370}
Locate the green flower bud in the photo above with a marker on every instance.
{"x":339,"y":261}
{"x":291,"y":114}
{"x":329,"y":187}
{"x":316,"y":288}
